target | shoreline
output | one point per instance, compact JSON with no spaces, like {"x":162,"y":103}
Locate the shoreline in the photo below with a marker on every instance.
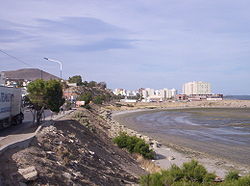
{"x":170,"y":153}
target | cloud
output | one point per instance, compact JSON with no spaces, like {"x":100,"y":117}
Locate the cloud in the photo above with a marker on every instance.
{"x":101,"y":45}
{"x":82,"y":25}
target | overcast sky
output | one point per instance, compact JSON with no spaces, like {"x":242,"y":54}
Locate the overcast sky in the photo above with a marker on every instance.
{"x":132,"y":43}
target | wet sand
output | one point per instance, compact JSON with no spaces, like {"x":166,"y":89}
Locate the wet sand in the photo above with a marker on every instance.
{"x":223,"y":135}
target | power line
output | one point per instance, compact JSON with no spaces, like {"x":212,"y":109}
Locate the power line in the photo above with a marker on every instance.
{"x":15,"y":58}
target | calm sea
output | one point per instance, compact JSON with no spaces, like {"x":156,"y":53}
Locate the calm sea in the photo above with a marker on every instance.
{"x":238,"y":97}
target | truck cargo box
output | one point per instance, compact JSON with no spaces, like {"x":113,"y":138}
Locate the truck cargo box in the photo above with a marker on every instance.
{"x":10,"y":102}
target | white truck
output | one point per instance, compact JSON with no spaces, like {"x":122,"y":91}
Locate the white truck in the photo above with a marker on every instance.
{"x":10,"y":106}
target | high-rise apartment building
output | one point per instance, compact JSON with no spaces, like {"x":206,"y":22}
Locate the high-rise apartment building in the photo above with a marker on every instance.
{"x":148,"y":92}
{"x":168,"y":93}
{"x":196,"y":87}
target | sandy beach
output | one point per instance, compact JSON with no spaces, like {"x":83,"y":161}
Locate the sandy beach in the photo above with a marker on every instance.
{"x":174,"y":149}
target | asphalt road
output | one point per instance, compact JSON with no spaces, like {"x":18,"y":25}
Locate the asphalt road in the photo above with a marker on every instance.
{"x":27,"y":123}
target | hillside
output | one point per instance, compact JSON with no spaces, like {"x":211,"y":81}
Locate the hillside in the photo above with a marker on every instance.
{"x":76,"y":150}
{"x":29,"y":74}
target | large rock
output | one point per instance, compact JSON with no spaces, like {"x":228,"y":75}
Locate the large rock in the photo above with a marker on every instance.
{"x":28,"y":173}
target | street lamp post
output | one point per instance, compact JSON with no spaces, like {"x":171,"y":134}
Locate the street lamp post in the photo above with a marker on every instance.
{"x":56,"y":61}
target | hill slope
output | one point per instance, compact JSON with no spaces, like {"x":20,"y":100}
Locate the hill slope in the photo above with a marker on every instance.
{"x":74,"y":151}
{"x":29,"y":74}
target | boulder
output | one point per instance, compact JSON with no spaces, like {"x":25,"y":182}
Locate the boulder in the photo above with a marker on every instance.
{"x":170,"y":158}
{"x":29,"y":173}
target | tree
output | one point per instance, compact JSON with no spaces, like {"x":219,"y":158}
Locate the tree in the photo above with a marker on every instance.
{"x":54,"y":95}
{"x":44,"y":95}
{"x":99,"y":99}
{"x":92,"y":84}
{"x":76,"y":79}
{"x":87,"y":97}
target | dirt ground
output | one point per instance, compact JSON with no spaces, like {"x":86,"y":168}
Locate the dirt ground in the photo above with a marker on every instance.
{"x":71,"y":152}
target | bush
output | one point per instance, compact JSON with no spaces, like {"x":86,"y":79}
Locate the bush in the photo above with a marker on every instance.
{"x":134,"y":145}
{"x":151,"y":179}
{"x":87,"y":97}
{"x":121,"y":140}
{"x":241,"y":181}
{"x":194,"y":172}
{"x":99,"y":99}
{"x":190,"y":174}
{"x":232,"y":175}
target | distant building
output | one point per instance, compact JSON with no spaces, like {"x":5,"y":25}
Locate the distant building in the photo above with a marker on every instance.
{"x":120,"y":91}
{"x":168,"y":93}
{"x":148,"y":92}
{"x":181,"y":97}
{"x":196,"y":88}
{"x":80,"y":103}
{"x":70,"y":94}
{"x":129,"y":100}
{"x":72,"y":84}
{"x":158,"y":95}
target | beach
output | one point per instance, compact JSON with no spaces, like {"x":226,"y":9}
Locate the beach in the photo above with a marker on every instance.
{"x":215,"y":156}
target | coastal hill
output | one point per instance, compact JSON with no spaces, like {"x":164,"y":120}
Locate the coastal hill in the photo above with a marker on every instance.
{"x":29,"y":74}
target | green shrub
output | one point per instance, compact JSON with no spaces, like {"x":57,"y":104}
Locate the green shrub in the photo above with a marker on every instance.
{"x":132,"y":141}
{"x":188,"y":183}
{"x":134,"y":145}
{"x":87,"y":106}
{"x":242,"y":181}
{"x":146,"y":152}
{"x":232,"y":175}
{"x":176,"y":173}
{"x":190,"y":174}
{"x":194,"y":172}
{"x":121,"y":140}
{"x":87,"y":97}
{"x":152,"y":180}
{"x":209,"y":177}
{"x":99,"y":99}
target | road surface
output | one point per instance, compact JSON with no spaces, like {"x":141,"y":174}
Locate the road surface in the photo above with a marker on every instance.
{"x":26,"y":126}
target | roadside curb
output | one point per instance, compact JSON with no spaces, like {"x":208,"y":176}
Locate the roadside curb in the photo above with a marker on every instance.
{"x":24,"y":143}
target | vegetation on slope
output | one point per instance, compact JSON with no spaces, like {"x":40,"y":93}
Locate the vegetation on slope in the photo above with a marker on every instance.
{"x":134,"y":145}
{"x":191,"y":174}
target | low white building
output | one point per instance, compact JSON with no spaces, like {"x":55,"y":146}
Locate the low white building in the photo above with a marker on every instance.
{"x":129,"y":100}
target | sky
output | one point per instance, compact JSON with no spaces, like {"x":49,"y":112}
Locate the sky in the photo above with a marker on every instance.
{"x":132,"y":43}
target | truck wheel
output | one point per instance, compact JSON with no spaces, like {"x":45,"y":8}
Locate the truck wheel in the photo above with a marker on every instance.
{"x":18,"y":119}
{"x":6,"y":123}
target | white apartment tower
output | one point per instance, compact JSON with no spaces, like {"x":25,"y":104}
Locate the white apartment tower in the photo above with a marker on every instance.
{"x":196,"y":87}
{"x":168,"y":93}
{"x":148,"y":92}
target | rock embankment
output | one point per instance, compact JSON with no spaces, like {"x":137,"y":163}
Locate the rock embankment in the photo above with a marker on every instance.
{"x":70,"y":152}
{"x":115,"y":128}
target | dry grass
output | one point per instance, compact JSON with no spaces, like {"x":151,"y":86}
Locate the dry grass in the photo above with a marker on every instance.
{"x":148,"y":165}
